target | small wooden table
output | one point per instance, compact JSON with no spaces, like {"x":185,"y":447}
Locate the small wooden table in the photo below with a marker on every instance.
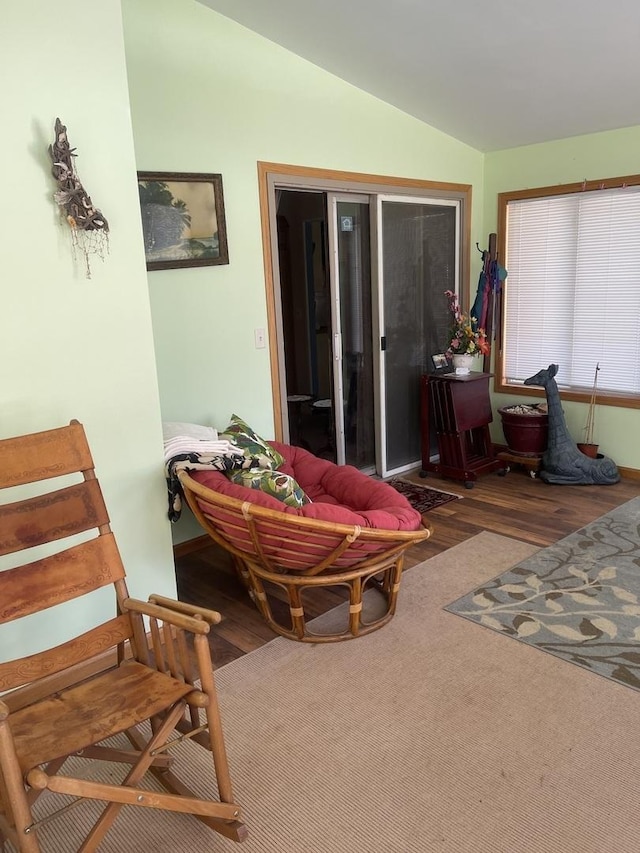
{"x":459,"y":409}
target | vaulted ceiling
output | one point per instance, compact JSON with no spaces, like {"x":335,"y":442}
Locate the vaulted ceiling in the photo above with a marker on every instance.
{"x":494,"y":74}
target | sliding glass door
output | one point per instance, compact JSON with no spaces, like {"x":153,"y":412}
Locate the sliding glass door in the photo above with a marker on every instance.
{"x":352,"y":318}
{"x":417,"y":260}
{"x":362,"y":279}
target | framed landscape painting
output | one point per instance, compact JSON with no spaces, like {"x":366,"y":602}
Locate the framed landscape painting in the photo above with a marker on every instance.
{"x":182,"y":219}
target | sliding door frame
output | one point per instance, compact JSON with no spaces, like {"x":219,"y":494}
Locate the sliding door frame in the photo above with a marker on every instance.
{"x":380,"y":320}
{"x":273,"y":176}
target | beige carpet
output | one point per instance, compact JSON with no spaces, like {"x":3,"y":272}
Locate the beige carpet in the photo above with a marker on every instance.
{"x":431,"y":734}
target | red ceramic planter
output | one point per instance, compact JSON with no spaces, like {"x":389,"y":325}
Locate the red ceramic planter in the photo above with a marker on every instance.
{"x":525,"y":433}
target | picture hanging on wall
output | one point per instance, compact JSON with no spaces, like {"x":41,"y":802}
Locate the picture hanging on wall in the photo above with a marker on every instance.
{"x":183,"y":220}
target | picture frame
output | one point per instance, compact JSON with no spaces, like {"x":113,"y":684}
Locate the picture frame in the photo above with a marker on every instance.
{"x":183,"y":219}
{"x":440,"y":361}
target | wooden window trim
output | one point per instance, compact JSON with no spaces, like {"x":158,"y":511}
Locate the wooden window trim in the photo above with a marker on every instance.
{"x":627,"y":401}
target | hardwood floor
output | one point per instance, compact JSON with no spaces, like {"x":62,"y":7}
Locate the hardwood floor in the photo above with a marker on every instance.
{"x":516,"y":506}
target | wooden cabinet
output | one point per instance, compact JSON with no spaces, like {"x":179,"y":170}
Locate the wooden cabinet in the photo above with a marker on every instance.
{"x":458,"y":409}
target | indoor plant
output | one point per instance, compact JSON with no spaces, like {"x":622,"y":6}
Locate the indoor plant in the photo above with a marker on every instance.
{"x":465,"y":339}
{"x":588,"y":446}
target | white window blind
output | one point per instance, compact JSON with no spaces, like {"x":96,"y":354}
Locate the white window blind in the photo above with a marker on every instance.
{"x":572,"y":296}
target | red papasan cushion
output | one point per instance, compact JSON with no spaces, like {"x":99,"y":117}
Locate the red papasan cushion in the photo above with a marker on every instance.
{"x":339,"y":493}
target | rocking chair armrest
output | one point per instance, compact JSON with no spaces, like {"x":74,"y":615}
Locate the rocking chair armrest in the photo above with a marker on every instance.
{"x":4,"y":711}
{"x":210,"y":616}
{"x":194,"y":624}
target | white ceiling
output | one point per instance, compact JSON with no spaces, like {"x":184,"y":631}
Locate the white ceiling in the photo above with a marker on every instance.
{"x":492,"y":73}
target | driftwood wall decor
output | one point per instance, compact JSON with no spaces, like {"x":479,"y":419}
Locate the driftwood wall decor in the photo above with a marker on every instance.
{"x":89,"y":228}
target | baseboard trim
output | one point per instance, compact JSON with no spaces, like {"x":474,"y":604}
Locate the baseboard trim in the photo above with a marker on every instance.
{"x":191,"y":545}
{"x":629,"y":473}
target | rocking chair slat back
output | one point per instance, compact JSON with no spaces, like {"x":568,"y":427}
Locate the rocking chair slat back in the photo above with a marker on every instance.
{"x":48,"y":663}
{"x":43,"y":455}
{"x":48,"y":518}
{"x":60,"y":577}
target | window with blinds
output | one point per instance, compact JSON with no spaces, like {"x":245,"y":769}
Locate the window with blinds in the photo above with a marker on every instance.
{"x":572,"y":296}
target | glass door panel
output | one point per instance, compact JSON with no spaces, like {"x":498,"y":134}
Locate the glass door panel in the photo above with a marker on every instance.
{"x":354,"y":276}
{"x":418,"y":252}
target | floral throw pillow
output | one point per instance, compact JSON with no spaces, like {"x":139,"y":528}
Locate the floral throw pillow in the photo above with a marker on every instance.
{"x":274,"y":483}
{"x":257,"y":451}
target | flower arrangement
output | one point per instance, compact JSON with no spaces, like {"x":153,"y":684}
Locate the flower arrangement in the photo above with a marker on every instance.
{"x":464,"y":338}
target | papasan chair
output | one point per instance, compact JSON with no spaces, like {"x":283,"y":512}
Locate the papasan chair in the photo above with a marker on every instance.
{"x":350,"y":532}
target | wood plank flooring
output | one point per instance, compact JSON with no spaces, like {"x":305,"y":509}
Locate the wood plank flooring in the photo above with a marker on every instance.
{"x":515,"y":505}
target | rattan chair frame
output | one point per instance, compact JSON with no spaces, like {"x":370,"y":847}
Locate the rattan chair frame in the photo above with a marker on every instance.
{"x":351,"y":556}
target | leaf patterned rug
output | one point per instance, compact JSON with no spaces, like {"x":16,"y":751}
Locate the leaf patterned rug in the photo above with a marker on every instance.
{"x":578,"y":599}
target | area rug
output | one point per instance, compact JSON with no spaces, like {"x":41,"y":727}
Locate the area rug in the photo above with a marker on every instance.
{"x":427,"y":736}
{"x":422,"y":498}
{"x":578,"y":599}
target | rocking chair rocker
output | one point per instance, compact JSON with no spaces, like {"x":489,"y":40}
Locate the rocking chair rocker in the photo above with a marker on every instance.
{"x":111,"y":680}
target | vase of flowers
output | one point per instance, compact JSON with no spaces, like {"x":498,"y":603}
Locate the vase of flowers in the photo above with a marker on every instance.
{"x":462,"y":363}
{"x":466,"y":340}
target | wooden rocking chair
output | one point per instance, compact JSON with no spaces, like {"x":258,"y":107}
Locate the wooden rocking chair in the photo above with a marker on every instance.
{"x":64,"y":701}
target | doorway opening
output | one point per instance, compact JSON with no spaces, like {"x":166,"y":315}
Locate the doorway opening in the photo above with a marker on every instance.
{"x":327,"y":325}
{"x":355,"y":291}
{"x":303,"y":261}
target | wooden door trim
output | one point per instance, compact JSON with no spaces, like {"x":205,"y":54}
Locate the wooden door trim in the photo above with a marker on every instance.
{"x":332,"y":180}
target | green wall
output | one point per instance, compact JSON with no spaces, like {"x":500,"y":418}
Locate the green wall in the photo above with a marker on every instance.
{"x":598,"y":155}
{"x":208,"y":95}
{"x":72,"y":347}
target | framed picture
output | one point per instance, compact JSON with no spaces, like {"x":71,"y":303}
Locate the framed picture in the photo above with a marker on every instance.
{"x":182,"y":219}
{"x":439,"y":360}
